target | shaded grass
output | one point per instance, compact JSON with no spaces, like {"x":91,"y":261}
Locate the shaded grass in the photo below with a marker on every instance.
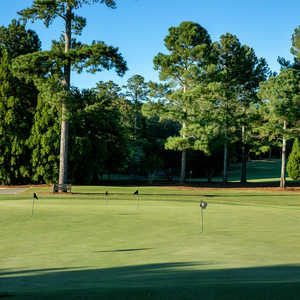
{"x":263,"y":170}
{"x":158,"y":283}
{"x":88,"y":247}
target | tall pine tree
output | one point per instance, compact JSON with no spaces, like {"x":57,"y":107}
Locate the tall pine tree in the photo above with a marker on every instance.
{"x":188,"y":47}
{"x":281,"y":110}
{"x":92,"y":58}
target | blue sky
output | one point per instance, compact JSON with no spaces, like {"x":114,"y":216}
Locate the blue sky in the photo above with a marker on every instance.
{"x":138,"y":28}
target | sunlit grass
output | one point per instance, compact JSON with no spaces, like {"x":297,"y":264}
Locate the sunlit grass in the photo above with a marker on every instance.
{"x":257,"y":171}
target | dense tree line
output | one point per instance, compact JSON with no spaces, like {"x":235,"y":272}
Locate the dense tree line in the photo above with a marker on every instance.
{"x":18,"y":102}
{"x":217,"y":103}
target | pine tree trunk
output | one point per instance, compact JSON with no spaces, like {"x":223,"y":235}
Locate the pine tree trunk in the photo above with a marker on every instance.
{"x":183,"y":166}
{"x":225,"y":170}
{"x":225,"y":162}
{"x":283,"y":159}
{"x":183,"y":154}
{"x":244,"y":158}
{"x":135,"y":116}
{"x":63,"y":157}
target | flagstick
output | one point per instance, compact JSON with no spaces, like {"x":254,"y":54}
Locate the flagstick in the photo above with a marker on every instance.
{"x":202,"y":218}
{"x":203,"y":205}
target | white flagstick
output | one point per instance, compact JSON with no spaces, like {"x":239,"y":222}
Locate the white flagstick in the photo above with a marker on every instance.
{"x":202,"y":220}
{"x":34,"y":197}
{"x":203,"y":205}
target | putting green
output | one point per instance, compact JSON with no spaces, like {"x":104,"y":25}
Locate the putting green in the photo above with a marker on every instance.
{"x":151,"y":246}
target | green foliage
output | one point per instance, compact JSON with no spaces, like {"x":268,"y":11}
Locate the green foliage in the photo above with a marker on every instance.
{"x":281,"y":109}
{"x":178,"y":143}
{"x":188,"y":64}
{"x":239,"y":71}
{"x":238,"y":64}
{"x":236,"y":80}
{"x":44,"y":140}
{"x":53,"y":68}
{"x":146,"y":136}
{"x":17,"y":105}
{"x":98,"y":142}
{"x":215,"y":88}
{"x":141,"y":158}
{"x":136,"y":92}
{"x":295,"y":49}
{"x":48,"y":10}
{"x":96,"y":58}
{"x":157,"y":158}
{"x":49,"y":64}
{"x":136,"y":89}
{"x":14,"y":128}
{"x":189,"y":45}
{"x":16,"y":40}
{"x":281,"y":101}
{"x":293,"y":165}
{"x":110,"y":91}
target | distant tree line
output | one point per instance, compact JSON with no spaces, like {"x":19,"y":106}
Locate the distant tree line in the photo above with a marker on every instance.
{"x":217,"y":103}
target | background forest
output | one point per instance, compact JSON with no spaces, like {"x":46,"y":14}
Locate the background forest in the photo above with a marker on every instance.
{"x":217,"y":103}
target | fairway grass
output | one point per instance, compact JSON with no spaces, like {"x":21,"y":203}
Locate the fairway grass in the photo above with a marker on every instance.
{"x":88,"y":246}
{"x":259,"y":171}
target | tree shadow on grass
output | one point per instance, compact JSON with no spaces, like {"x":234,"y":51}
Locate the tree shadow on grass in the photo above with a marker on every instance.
{"x":174,"y":281}
{"x":6,"y":272}
{"x":123,"y":250}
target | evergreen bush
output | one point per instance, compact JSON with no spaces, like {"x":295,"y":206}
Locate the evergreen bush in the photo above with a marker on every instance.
{"x":293,"y":165}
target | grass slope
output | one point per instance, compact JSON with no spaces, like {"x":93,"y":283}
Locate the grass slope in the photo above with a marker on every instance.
{"x":258,"y":171}
{"x":87,"y":246}
{"x":268,"y":170}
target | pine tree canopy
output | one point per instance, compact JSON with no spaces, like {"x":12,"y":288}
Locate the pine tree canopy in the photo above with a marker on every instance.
{"x":48,"y":10}
{"x":16,"y":40}
{"x":189,"y":47}
{"x":93,"y":58}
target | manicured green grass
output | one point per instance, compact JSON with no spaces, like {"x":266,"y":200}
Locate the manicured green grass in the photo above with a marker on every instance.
{"x":84,"y":246}
{"x":257,"y":171}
